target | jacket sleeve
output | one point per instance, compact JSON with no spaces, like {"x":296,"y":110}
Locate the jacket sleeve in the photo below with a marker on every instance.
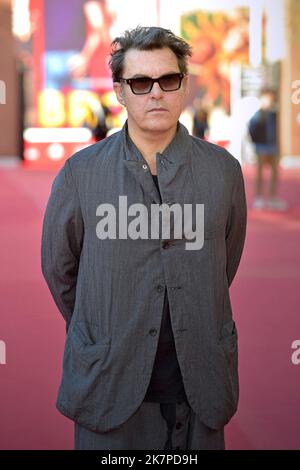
{"x":236,"y":225}
{"x":62,"y":238}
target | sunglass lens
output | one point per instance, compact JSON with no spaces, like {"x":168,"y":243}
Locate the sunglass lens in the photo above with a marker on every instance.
{"x":170,"y":82}
{"x":141,"y":85}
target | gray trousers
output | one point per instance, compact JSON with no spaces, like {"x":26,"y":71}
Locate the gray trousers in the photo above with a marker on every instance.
{"x":154,"y":426}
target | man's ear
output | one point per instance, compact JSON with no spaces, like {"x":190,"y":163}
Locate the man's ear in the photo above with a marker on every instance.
{"x":119,"y":93}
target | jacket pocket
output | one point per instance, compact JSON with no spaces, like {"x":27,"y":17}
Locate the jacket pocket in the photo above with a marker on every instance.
{"x":226,"y":369}
{"x":86,"y":346}
{"x":229,"y":348}
{"x":84,"y":372}
{"x":85,"y":349}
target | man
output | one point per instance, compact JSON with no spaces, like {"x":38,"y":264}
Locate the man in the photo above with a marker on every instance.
{"x":263,"y":131}
{"x":150,"y":359}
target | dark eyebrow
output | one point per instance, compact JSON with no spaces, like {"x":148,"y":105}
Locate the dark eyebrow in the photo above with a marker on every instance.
{"x":140,"y":75}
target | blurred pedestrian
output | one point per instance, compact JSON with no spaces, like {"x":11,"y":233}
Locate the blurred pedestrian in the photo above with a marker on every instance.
{"x":264,"y":134}
{"x":96,"y":120}
{"x":200,"y":119}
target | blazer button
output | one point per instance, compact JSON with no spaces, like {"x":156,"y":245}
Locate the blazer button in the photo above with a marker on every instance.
{"x":160,"y":288}
{"x":153,"y":332}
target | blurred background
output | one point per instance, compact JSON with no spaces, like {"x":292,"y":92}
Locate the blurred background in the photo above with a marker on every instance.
{"x":56,"y":98}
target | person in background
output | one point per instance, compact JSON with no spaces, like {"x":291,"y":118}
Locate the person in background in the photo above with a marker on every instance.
{"x":264,"y":134}
{"x":200,"y":119}
{"x":96,"y":120}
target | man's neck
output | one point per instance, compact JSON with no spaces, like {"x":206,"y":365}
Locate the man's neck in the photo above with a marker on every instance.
{"x":149,"y":143}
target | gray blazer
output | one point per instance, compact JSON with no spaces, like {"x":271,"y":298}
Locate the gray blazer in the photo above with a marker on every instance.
{"x":111,"y":291}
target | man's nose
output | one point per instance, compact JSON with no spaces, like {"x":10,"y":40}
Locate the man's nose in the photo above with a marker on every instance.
{"x":156,"y":91}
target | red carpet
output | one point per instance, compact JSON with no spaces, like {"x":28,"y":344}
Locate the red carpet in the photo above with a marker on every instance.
{"x":265,"y":298}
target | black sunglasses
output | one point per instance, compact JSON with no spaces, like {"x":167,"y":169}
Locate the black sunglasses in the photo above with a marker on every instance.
{"x":143,"y":85}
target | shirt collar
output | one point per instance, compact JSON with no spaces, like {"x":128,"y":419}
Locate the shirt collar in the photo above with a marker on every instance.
{"x":177,"y":152}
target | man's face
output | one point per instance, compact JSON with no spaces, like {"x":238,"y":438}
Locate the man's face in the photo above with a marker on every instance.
{"x":267,"y":100}
{"x":157,"y":111}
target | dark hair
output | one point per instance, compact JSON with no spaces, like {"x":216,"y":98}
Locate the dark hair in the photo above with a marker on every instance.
{"x":146,"y":39}
{"x":268,"y":91}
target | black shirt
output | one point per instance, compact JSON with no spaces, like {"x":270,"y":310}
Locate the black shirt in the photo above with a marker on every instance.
{"x":166,"y":384}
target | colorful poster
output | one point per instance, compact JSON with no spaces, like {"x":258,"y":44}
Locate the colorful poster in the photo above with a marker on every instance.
{"x":218,"y":38}
{"x":71,"y":85}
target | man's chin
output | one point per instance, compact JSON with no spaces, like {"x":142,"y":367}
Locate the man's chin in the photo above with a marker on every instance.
{"x":156,"y":125}
{"x":159,"y":125}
